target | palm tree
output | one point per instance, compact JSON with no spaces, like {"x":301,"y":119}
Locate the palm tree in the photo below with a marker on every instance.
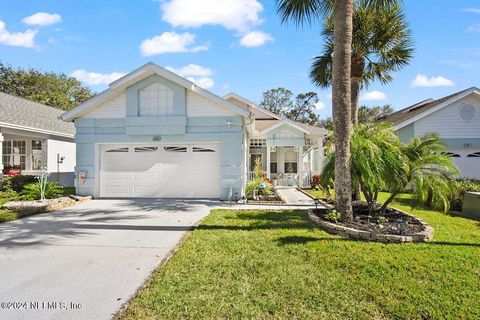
{"x":302,"y":11}
{"x":427,"y":172}
{"x":382,"y":44}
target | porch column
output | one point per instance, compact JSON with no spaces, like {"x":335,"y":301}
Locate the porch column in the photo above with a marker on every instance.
{"x":1,"y":154}
{"x":320,"y":154}
{"x":300,"y":166}
{"x":268,"y":162}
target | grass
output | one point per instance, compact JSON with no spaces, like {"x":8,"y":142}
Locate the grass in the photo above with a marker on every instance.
{"x":267,"y":264}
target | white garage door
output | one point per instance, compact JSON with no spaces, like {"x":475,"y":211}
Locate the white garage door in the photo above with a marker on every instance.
{"x":467,"y":161}
{"x":160,"y":171}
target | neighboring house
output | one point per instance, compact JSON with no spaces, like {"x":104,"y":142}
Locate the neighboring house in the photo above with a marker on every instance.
{"x":153,"y":133}
{"x":33,"y":137}
{"x":456,"y":118}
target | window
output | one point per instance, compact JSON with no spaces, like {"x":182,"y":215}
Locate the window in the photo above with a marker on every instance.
{"x":290,"y":167}
{"x":37,"y":155}
{"x":118,"y":150}
{"x":146,"y":149}
{"x":175,"y":149}
{"x":198,"y":149}
{"x":451,"y":154}
{"x":273,"y":167}
{"x":155,"y":100}
{"x":254,"y":157}
{"x":474,"y":155}
{"x":257,"y":143}
{"x":467,"y":112}
{"x":14,"y":154}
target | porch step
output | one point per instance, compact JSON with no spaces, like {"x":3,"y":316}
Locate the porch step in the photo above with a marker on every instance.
{"x":294,"y":197}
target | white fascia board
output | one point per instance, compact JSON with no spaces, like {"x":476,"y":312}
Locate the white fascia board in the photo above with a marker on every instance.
{"x":37,"y":130}
{"x":282,"y":122}
{"x":251,"y":104}
{"x":436,"y":108}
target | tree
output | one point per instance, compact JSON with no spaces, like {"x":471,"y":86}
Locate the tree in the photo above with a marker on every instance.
{"x":301,"y":11}
{"x":277,"y":100}
{"x":53,"y":89}
{"x":368,"y":114}
{"x":382,"y":44}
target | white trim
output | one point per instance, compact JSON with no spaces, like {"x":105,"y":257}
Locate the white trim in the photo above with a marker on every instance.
{"x":141,"y":73}
{"x":19,"y":127}
{"x":251,"y":104}
{"x":282,"y":122}
{"x":438,"y":107}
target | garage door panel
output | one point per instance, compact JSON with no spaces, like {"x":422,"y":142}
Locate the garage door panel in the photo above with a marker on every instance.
{"x":180,"y":171}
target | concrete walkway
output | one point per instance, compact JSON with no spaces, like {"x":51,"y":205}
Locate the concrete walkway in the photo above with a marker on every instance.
{"x":294,"y":197}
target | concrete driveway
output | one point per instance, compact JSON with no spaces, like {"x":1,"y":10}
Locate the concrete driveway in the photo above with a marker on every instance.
{"x":86,"y":261}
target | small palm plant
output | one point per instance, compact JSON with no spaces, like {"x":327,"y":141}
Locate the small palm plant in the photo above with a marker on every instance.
{"x":428,"y":173}
{"x":42,"y":189}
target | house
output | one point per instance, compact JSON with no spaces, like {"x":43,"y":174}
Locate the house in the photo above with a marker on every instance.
{"x":456,"y":118}
{"x":33,"y":137}
{"x":153,"y":133}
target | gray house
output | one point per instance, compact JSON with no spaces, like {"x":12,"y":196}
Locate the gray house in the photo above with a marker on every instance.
{"x":153,"y":133}
{"x":34,"y":138}
{"x":456,"y":118}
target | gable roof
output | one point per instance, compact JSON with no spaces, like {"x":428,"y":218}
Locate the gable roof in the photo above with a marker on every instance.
{"x":233,"y":95}
{"x":265,"y":126}
{"x":139,"y":74}
{"x":422,"y":109}
{"x":23,"y":114}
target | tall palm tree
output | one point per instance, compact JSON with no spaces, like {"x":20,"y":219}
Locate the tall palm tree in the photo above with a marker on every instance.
{"x":382,"y":44}
{"x":306,"y":11}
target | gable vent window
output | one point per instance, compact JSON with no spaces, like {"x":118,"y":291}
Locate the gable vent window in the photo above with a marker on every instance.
{"x":467,"y":112}
{"x":175,"y":149}
{"x":146,"y":149}
{"x":451,"y":154}
{"x":155,"y":100}
{"x":118,"y":150}
{"x":258,"y":143}
{"x":474,"y":155}
{"x":198,"y":149}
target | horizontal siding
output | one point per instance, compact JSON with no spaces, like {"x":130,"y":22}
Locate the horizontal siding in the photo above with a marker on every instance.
{"x":114,"y":108}
{"x":198,"y":106}
{"x":448,"y":123}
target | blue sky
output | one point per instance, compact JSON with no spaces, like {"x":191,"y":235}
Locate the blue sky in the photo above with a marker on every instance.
{"x":229,"y":45}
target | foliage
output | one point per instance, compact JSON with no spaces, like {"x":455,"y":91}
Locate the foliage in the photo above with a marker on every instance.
{"x":382,"y":44}
{"x":459,"y":188}
{"x":57,"y":90}
{"x":366,"y":114}
{"x":8,"y":195}
{"x":279,"y":101}
{"x":315,"y":181}
{"x":379,"y":161}
{"x":332,"y":216}
{"x":281,"y":262}
{"x":33,"y":191}
{"x":260,"y":184}
{"x":16,"y":183}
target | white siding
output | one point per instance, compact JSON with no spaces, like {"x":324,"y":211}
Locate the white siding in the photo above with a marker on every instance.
{"x":448,"y":123}
{"x":156,"y":100}
{"x":198,"y":106}
{"x":65,"y":149}
{"x":114,"y":108}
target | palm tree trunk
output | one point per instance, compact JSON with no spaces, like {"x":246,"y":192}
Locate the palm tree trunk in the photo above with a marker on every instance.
{"x":342,"y":122}
{"x":355,"y":87}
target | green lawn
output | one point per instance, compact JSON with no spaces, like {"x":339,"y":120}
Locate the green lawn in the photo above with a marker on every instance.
{"x":266,"y":264}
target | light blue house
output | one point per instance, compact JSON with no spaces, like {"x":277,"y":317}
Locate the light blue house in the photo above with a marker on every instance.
{"x":153,"y":133}
{"x":456,"y":118}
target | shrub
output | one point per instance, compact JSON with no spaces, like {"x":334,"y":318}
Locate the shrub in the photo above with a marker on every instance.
{"x":8,"y":195}
{"x":16,"y":183}
{"x":32,"y":191}
{"x":459,"y":188}
{"x":315,"y":181}
{"x":332,"y":216}
{"x":255,"y":185}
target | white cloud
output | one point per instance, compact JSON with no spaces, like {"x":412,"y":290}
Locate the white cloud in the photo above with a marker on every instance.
{"x":95,"y":78}
{"x":474,"y":28}
{"x":255,"y":39}
{"x":20,"y":39}
{"x":199,"y":75}
{"x":373,"y":96}
{"x":226,"y":86}
{"x":423,"y":81}
{"x":192,"y":70}
{"x":42,"y":19}
{"x":472,"y":10}
{"x":239,"y":15}
{"x":319,"y":105}
{"x":169,"y":42}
